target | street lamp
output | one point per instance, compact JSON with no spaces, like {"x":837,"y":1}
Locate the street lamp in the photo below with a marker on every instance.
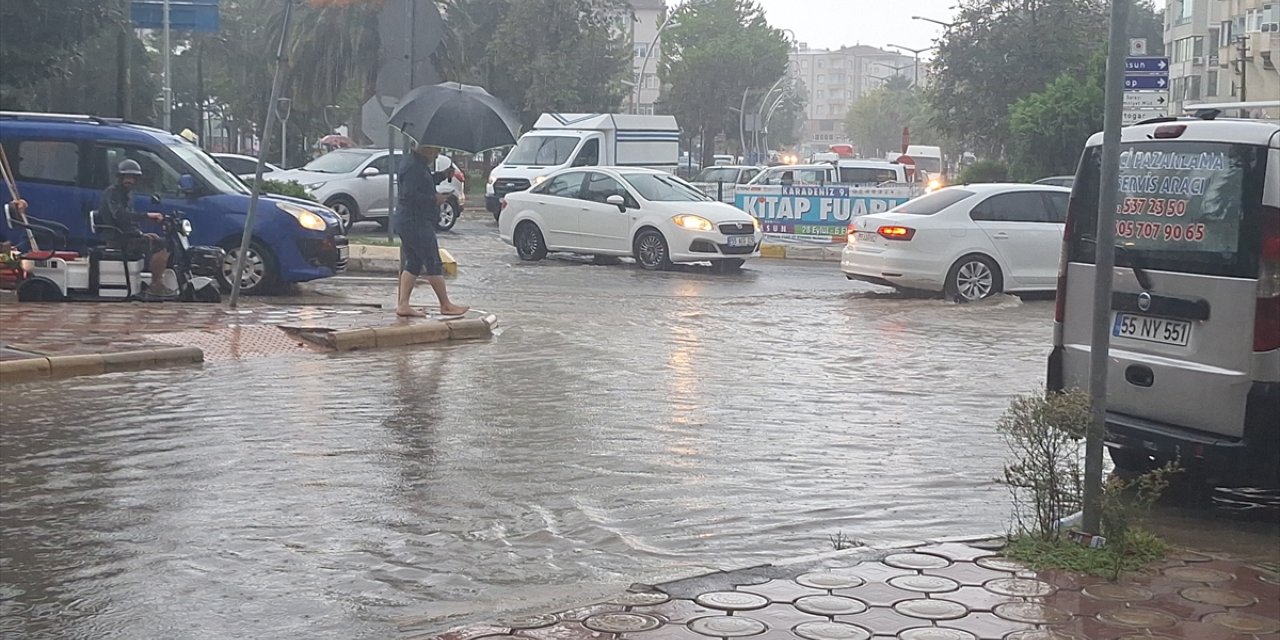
{"x":916,"y":53}
{"x":668,"y":22}
{"x":945,"y":24}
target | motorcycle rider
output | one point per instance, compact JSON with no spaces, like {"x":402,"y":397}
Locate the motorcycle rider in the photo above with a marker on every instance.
{"x":123,"y":233}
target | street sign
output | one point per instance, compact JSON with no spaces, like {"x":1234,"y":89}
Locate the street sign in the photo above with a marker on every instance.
{"x":184,"y":15}
{"x":1137,"y":46}
{"x":1146,"y":64}
{"x":1145,"y":82}
{"x":1131,"y":117}
{"x":1146,"y":99}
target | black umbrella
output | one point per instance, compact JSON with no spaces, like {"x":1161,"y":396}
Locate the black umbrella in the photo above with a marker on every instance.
{"x":455,"y":116}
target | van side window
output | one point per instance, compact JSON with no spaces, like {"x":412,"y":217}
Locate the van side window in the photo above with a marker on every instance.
{"x":590,"y":154}
{"x":1023,"y":206}
{"x":48,"y":161}
{"x":158,"y":176}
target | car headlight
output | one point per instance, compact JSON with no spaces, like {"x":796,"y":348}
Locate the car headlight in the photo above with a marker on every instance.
{"x":492,"y":179}
{"x":934,"y":185}
{"x":756,"y":222}
{"x":692,"y":223}
{"x":308,"y":219}
{"x":185,"y":227}
{"x":539,"y":180}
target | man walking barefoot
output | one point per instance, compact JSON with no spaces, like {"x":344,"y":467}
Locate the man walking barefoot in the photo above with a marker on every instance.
{"x":419,"y":206}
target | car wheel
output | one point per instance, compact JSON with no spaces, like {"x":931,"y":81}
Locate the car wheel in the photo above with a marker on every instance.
{"x":260,"y":273}
{"x":651,"y":251}
{"x":530,"y":245}
{"x":973,"y":278}
{"x":449,"y":212}
{"x":346,"y":208}
{"x":728,"y":265}
{"x":39,"y":290}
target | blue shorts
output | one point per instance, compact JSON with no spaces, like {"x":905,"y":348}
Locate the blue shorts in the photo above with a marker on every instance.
{"x":419,"y":248}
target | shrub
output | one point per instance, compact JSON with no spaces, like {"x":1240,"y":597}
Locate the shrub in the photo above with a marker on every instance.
{"x":985,"y":171}
{"x":290,"y":188}
{"x":1046,"y":476}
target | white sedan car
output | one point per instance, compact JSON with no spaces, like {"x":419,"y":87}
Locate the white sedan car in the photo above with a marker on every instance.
{"x":968,"y":242}
{"x":653,"y":216}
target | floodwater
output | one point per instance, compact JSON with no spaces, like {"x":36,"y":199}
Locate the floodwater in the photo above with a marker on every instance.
{"x":625,"y":426}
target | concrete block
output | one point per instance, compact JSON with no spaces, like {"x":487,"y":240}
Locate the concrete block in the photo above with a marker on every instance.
{"x":418,"y":333}
{"x":351,"y":339}
{"x":177,"y":355}
{"x":128,"y":360}
{"x":833,"y":253}
{"x":469,"y":329}
{"x":82,"y":365}
{"x":12,"y":371}
{"x":777,"y":251}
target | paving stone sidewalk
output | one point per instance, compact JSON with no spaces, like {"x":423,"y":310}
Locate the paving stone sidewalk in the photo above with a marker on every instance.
{"x":946,"y":591}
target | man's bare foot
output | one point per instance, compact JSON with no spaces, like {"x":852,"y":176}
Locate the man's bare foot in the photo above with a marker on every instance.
{"x":454,"y":310}
{"x":409,"y":312}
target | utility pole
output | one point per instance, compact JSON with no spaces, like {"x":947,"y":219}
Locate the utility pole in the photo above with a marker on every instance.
{"x":124,"y":60}
{"x":200,"y":134}
{"x":167,"y":91}
{"x":1104,"y":266}
{"x":1242,"y":49}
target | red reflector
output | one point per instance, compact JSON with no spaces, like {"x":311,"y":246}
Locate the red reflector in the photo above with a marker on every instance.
{"x":1170,"y":130}
{"x":1266,"y":325}
{"x":896,"y":232}
{"x":502,"y":204}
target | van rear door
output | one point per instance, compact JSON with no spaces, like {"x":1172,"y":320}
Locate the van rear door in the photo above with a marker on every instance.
{"x":1190,"y":218}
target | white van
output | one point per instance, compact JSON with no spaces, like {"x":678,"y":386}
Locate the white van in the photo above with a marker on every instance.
{"x":561,"y":140}
{"x":1195,"y":318}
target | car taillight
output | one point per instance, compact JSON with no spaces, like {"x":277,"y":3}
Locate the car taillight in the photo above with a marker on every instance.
{"x":894,"y":232}
{"x":1266,"y":321}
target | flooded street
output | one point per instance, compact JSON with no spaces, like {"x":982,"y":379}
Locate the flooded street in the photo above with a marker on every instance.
{"x":623,"y":427}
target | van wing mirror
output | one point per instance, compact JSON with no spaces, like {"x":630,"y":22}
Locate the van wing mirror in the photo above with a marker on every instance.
{"x":617,"y":201}
{"x":187,"y":184}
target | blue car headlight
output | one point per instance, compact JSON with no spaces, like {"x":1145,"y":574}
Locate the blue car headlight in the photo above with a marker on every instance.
{"x":307,"y":218}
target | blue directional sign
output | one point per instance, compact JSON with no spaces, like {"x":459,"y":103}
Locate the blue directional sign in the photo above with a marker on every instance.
{"x":184,"y":15}
{"x":1145,"y":82}
{"x":1146,"y":64}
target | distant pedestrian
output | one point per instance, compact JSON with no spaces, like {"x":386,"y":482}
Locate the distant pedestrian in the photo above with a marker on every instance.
{"x":416,"y":215}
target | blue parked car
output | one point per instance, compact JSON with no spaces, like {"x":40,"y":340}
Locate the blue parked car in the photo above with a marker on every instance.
{"x":64,"y":162}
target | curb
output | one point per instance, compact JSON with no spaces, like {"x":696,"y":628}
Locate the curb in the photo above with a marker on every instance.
{"x":809,"y":252}
{"x":405,"y":335}
{"x":374,"y":258}
{"x":96,"y":363}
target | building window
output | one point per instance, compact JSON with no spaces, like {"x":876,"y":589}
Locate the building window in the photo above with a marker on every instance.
{"x":1193,"y":88}
{"x":1253,"y":20}
{"x":1186,"y":11}
{"x":1271,"y":18}
{"x":820,"y":94}
{"x":1211,"y":84}
{"x":821,"y":78}
{"x":1224,"y":34}
{"x":642,"y":49}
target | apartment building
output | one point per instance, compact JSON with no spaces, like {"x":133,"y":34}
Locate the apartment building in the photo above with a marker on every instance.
{"x":647,"y":16}
{"x":1223,"y":51}
{"x":835,"y":79}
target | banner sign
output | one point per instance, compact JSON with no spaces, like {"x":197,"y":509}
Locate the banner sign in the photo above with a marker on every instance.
{"x":816,"y":212}
{"x":1184,"y":198}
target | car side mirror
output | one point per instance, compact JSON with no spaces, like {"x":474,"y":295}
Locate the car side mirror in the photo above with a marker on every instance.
{"x":370,"y":172}
{"x":617,"y":201}
{"x":187,"y":184}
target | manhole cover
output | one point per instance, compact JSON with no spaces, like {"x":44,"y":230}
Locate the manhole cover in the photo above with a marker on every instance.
{"x":640,"y":599}
{"x":1243,"y":622}
{"x":621,"y":622}
{"x":1138,"y":618}
{"x":1118,"y":592}
{"x":1219,"y":597}
{"x":529,"y":622}
{"x":830,"y":631}
{"x":827,"y":580}
{"x":830,"y":605}
{"x":732,"y":601}
{"x":996,"y":563}
{"x":936,"y":633}
{"x":1196,"y":574}
{"x":1022,"y":587}
{"x":916,"y":561}
{"x":925,"y":584}
{"x":726,"y":626}
{"x":1031,"y":613}
{"x":931,"y":609}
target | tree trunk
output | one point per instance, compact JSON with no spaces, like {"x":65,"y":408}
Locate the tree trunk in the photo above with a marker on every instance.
{"x":709,"y":130}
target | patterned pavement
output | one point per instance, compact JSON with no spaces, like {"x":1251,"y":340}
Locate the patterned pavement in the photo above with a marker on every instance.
{"x":947,"y":591}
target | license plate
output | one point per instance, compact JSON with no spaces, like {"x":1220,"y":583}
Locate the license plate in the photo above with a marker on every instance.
{"x":1147,"y":329}
{"x":742,"y":241}
{"x":868,"y":236}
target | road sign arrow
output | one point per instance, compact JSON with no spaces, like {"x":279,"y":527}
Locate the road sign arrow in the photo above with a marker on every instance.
{"x":1163,"y":64}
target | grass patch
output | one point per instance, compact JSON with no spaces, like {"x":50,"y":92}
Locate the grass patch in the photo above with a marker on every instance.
{"x":1137,"y":551}
{"x":381,"y":241}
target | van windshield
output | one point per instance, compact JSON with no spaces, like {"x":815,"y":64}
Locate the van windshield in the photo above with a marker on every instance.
{"x":867,"y":175}
{"x":1183,"y":206}
{"x":542,"y":151}
{"x":209,"y":169}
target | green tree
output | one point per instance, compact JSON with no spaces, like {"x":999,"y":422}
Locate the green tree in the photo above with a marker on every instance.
{"x":717,"y":51}
{"x":43,"y":40}
{"x":87,"y":82}
{"x":1050,"y":127}
{"x":876,"y":120}
{"x":573,"y":60}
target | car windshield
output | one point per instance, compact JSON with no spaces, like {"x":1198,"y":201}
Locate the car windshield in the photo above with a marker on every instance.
{"x":222,"y":180}
{"x":934,"y":202}
{"x":717,"y":174}
{"x":340,"y":161}
{"x":542,"y":151}
{"x":867,"y":175}
{"x":665,"y":188}
{"x":1191,"y":207}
